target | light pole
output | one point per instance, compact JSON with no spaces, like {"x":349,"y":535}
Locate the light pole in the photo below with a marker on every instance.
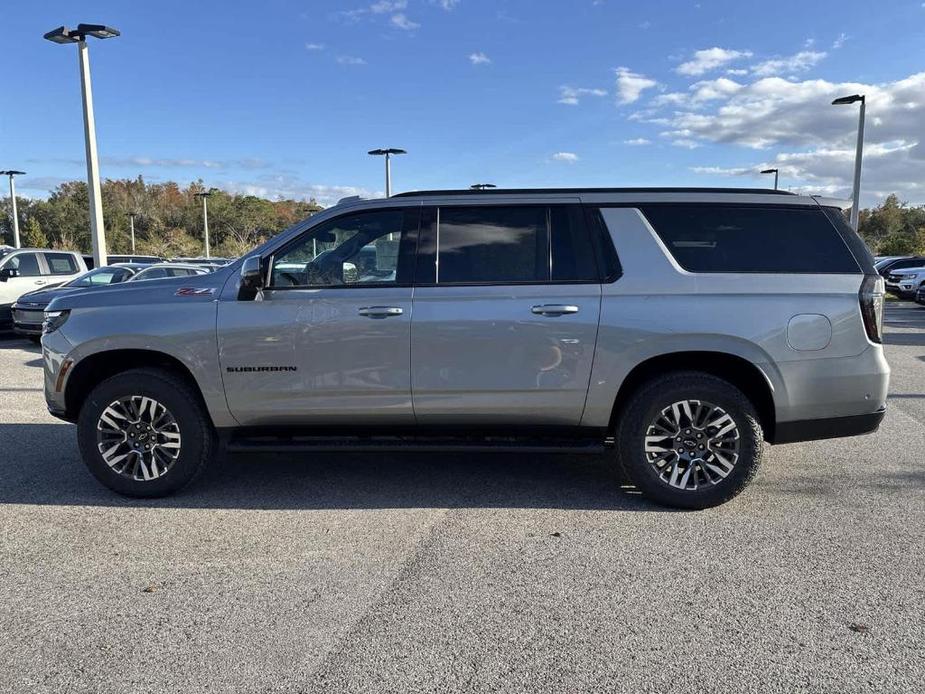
{"x":79,"y":36}
{"x":12,"y":173}
{"x":482,"y":186}
{"x":387,"y":153}
{"x":131,"y":221}
{"x":772,"y":171}
{"x":205,"y":195}
{"x":856,"y":207}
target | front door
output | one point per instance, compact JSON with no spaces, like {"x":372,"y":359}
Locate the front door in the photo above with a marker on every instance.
{"x":328,"y":342}
{"x":30,"y":276}
{"x":506,"y":307}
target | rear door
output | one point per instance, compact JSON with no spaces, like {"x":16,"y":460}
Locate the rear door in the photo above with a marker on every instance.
{"x":61,"y":266}
{"x":506,"y":307}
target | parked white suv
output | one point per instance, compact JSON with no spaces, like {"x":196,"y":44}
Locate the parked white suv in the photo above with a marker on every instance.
{"x":26,"y":269}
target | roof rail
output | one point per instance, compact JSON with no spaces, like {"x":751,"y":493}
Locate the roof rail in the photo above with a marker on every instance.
{"x":573,"y":191}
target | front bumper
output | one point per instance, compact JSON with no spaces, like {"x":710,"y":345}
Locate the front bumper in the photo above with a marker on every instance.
{"x":56,"y":366}
{"x":28,"y":320}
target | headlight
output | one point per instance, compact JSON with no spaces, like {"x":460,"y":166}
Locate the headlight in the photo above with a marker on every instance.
{"x":54,"y":320}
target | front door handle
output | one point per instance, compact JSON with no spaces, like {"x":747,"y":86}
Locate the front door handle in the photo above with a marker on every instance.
{"x":380,"y":311}
{"x":554,"y":309}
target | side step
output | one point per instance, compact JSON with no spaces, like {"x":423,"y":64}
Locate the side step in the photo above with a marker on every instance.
{"x":409,"y":444}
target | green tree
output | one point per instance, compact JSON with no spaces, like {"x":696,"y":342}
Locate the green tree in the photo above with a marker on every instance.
{"x":32,"y":234}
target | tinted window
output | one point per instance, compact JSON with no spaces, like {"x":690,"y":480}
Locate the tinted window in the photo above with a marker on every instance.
{"x":26,"y":263}
{"x":357,"y":249}
{"x":61,"y":263}
{"x":103,"y":275}
{"x":854,"y":242}
{"x":725,"y":238}
{"x":908,"y":262}
{"x":492,"y":244}
{"x":152,"y":274}
{"x":572,"y":250}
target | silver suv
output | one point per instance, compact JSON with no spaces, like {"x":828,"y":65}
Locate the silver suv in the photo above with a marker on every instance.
{"x":674,"y":331}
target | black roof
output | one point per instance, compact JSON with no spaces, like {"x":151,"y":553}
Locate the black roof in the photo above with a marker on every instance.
{"x":575,"y":191}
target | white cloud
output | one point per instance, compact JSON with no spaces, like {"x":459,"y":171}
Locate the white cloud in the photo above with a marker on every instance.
{"x":314,"y":46}
{"x":630,"y":85}
{"x":402,"y":22}
{"x":638,"y":141}
{"x":815,"y":140}
{"x":568,"y":157}
{"x":479,"y":58}
{"x":840,"y":41}
{"x":287,"y":187}
{"x":710,"y":59}
{"x":386,"y":6}
{"x":799,"y":62}
{"x":350,"y":60}
{"x":572,"y":95}
{"x":447,"y":4}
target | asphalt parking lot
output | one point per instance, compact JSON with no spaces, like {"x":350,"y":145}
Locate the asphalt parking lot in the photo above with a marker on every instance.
{"x":366,"y":573}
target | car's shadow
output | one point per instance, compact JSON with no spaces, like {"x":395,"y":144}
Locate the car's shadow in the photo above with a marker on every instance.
{"x":41,"y":465}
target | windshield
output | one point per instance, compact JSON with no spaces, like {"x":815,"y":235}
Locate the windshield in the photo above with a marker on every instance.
{"x":100,"y":276}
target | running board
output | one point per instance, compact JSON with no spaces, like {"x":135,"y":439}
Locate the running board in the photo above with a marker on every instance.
{"x":277,"y":444}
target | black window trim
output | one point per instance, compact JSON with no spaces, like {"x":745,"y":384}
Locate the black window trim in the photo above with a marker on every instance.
{"x":410,"y":230}
{"x":432,"y":214}
{"x":809,"y":206}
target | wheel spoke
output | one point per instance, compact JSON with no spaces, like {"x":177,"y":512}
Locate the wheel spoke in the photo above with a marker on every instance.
{"x":692,"y":443}
{"x":138,"y":437}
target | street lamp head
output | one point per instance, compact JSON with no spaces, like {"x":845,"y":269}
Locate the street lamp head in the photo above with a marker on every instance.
{"x":61,"y":35}
{"x":842,"y":100}
{"x":12,"y":173}
{"x":99,"y":31}
{"x":482,"y":186}
{"x":65,"y":35}
{"x":769,"y":171}
{"x":389,"y":150}
{"x":207,"y":193}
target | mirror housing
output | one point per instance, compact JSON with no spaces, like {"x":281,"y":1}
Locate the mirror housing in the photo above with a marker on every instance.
{"x":252,"y":279}
{"x":8,"y":273}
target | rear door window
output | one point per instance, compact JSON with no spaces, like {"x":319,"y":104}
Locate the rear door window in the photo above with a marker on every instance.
{"x":523,"y":244}
{"x":732,"y":238}
{"x":61,"y":263}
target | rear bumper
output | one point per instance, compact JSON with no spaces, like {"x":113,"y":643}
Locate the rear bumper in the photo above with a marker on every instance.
{"x":833,"y":428}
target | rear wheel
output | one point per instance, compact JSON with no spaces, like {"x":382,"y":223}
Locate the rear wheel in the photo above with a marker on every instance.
{"x":689,"y":440}
{"x":144,"y":433}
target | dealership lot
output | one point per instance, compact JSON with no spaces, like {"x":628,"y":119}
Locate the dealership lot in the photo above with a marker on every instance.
{"x":471,"y":573}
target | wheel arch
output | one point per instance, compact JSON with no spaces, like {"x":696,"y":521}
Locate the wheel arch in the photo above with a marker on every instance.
{"x":738,"y":371}
{"x":96,"y":368}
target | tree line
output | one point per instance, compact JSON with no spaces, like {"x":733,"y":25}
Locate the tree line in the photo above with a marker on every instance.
{"x":168,"y":219}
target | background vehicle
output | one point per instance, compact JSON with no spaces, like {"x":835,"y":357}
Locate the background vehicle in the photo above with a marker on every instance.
{"x":202,"y":261}
{"x":888,"y":265}
{"x":672,"y":330}
{"x":28,"y":310}
{"x":904,"y":283}
{"x":25,"y":269}
{"x":162,"y":270}
{"x":120,"y":259}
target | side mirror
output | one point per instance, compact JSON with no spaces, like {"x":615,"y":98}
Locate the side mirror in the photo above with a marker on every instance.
{"x":8,"y":273}
{"x":251,"y":279}
{"x":351,"y":274}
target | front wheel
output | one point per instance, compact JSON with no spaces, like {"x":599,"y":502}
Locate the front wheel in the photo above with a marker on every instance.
{"x":689,"y":440}
{"x":144,"y":433}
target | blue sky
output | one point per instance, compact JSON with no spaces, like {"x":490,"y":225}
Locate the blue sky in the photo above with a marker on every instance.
{"x":283,"y":98}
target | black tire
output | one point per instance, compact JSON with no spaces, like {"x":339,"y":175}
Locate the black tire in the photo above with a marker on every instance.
{"x":183,"y":403}
{"x":644,"y":407}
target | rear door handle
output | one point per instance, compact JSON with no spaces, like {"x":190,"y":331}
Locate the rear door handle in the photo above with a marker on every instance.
{"x":554,"y":309}
{"x":380,"y":311}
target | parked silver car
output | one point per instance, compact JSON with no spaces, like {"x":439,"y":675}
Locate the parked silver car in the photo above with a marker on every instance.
{"x":672,"y":330}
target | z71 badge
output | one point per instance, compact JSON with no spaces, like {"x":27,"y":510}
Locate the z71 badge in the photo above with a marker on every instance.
{"x":194,"y":291}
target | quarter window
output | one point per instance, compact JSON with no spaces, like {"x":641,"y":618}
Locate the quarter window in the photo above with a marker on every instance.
{"x":728,"y":238}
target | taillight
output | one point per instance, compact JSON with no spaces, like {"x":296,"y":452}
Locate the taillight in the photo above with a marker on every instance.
{"x":871,"y":300}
